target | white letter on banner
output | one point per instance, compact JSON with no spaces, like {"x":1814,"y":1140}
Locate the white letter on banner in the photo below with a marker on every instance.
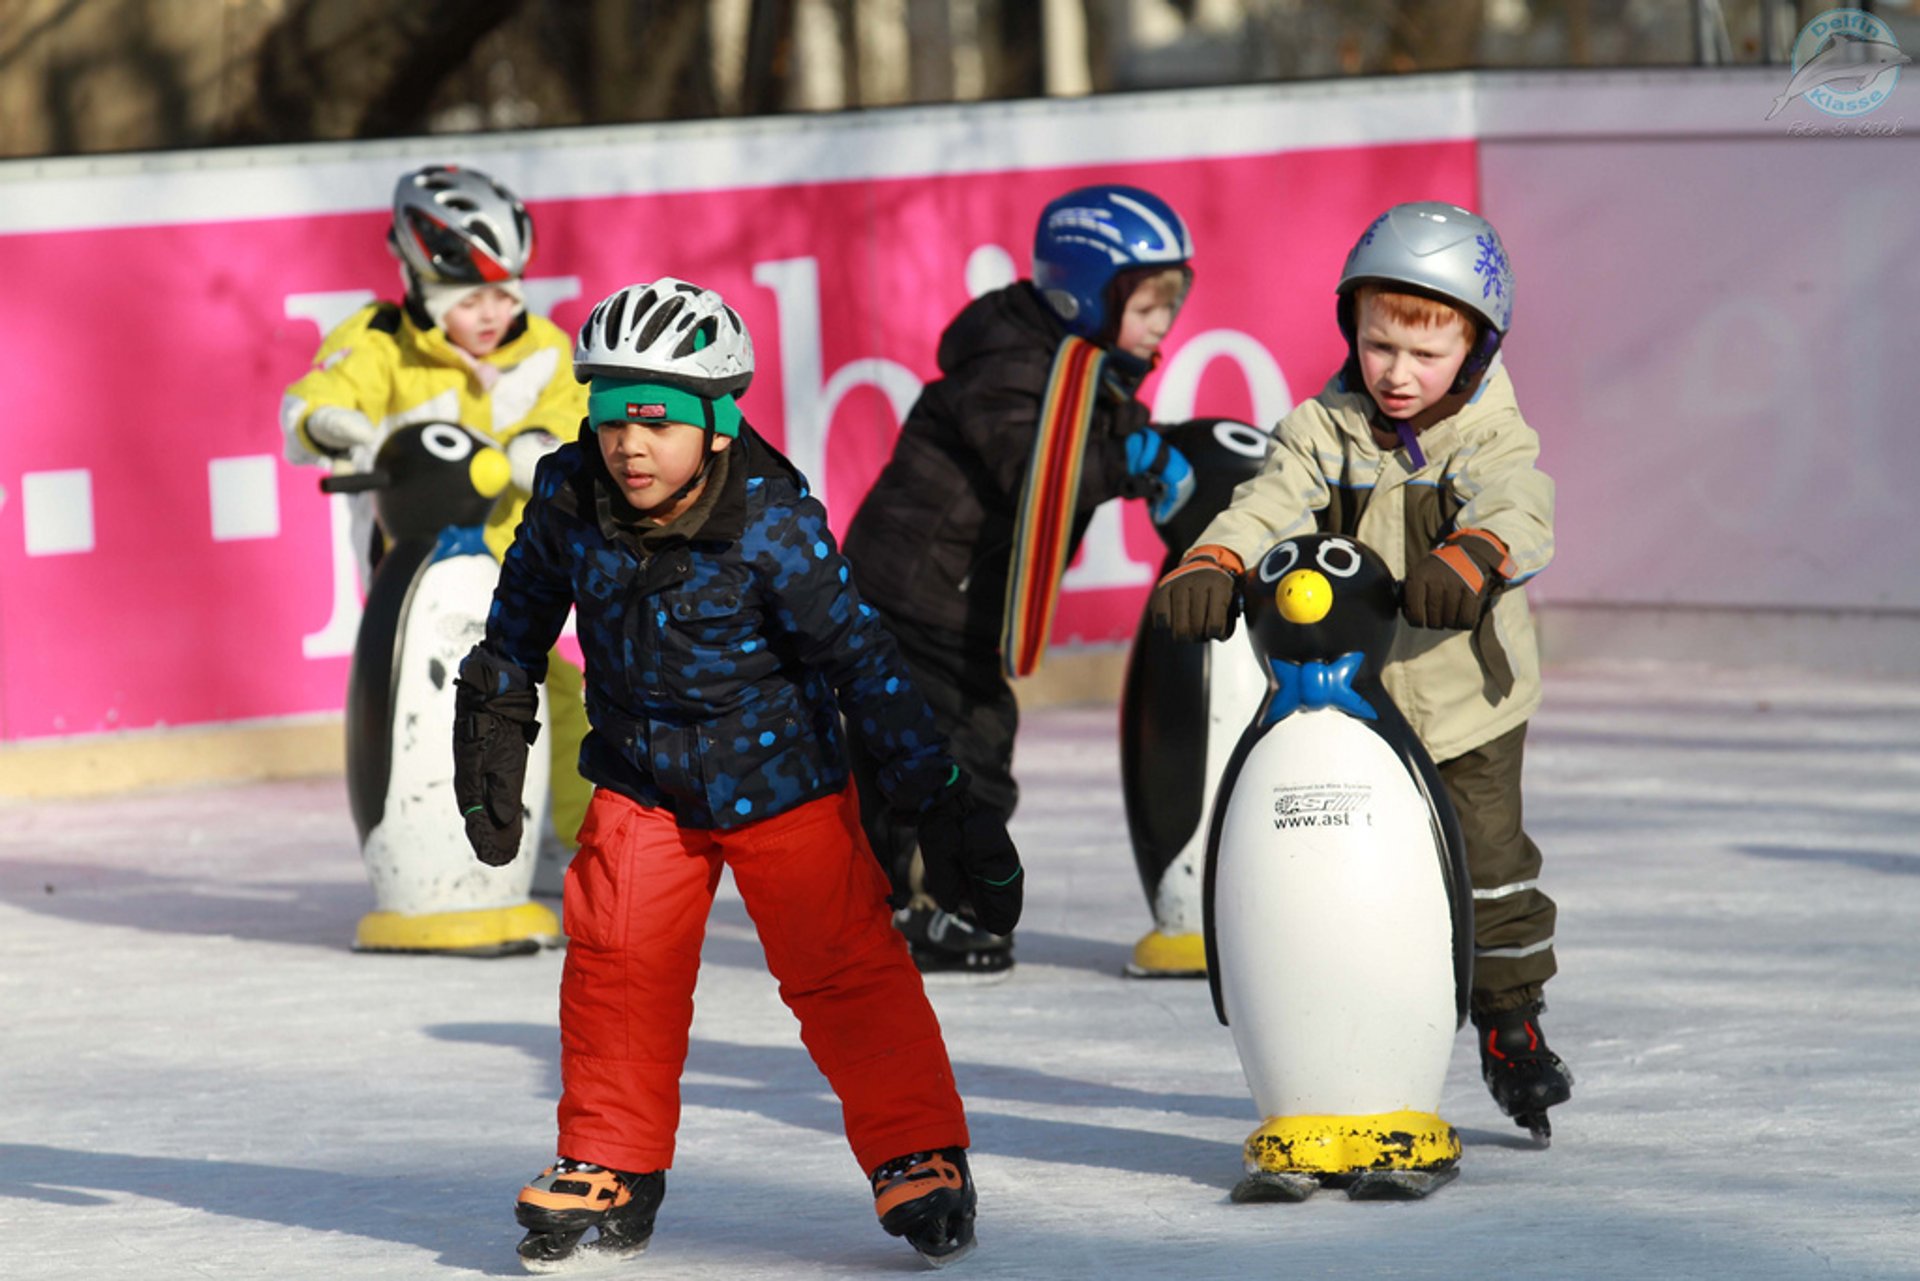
{"x":335,"y":637}
{"x":807,"y":400}
{"x":1103,"y":561}
{"x":326,"y":310}
{"x":546,"y":294}
{"x":1180,"y":383}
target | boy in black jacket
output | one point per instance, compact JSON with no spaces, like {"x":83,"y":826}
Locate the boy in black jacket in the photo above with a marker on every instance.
{"x":999,"y":466}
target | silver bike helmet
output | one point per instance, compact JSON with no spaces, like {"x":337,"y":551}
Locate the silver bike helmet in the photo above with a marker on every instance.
{"x":454,"y":226}
{"x":667,"y":332}
{"x":1441,"y":250}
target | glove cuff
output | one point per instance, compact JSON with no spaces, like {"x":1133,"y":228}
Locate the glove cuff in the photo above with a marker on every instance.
{"x":1217,"y":556}
{"x":1485,"y":547}
{"x":918,"y":791}
{"x":1477,"y":556}
{"x":490,"y":676}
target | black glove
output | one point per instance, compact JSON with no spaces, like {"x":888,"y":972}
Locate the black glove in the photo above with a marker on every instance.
{"x":970,"y":861}
{"x":1450,"y":585}
{"x":494,"y":722}
{"x":1200,"y":597}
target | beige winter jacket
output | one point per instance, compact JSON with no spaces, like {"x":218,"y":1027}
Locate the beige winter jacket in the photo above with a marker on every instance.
{"x":1326,"y":473}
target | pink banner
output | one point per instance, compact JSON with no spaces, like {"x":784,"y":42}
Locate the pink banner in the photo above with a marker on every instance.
{"x":159,"y":564}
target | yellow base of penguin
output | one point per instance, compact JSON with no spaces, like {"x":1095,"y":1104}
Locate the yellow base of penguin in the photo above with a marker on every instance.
{"x":1169,"y":956}
{"x":493,"y":931}
{"x":1323,"y":1145}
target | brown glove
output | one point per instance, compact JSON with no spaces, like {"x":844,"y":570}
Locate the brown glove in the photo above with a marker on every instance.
{"x":1449,"y":586}
{"x":1200,"y":597}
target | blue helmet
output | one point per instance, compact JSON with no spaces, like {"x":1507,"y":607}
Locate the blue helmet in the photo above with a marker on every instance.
{"x":1093,"y":234}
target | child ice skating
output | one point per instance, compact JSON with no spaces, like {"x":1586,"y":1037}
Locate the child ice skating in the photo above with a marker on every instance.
{"x":723,"y":643}
{"x":460,"y":346}
{"x":1032,"y":424}
{"x":1417,"y":448}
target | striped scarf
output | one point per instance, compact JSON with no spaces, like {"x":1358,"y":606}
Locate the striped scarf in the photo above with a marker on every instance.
{"x":1043,"y":525}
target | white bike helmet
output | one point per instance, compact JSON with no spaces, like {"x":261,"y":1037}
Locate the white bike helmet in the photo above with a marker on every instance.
{"x":455,"y":226}
{"x":668,"y":332}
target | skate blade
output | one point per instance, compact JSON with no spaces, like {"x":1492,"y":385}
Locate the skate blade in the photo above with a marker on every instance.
{"x":1398,"y":1185}
{"x":950,"y":1258}
{"x":1537,"y":1127}
{"x":1274,"y":1185}
{"x":589,"y":1258}
{"x":966,"y":978}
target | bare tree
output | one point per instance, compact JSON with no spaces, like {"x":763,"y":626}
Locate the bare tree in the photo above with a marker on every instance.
{"x":1013,"y":47}
{"x":769,"y":60}
{"x":1431,"y":35}
{"x":1102,"y":45}
{"x":930,"y":50}
{"x":360,"y":68}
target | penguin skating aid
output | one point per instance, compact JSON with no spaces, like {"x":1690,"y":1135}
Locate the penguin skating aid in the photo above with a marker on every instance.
{"x":1338,"y":908}
{"x":1182,"y":708}
{"x":432,"y":486}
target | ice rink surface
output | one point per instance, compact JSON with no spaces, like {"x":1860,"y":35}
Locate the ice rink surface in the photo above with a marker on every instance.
{"x":199,"y":1080}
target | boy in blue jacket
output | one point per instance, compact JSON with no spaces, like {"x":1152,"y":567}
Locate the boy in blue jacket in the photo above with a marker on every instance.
{"x":723,"y":644}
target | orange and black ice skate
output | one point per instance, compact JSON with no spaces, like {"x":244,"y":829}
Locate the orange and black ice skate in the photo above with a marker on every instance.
{"x":928,"y":1198}
{"x":569,"y":1197}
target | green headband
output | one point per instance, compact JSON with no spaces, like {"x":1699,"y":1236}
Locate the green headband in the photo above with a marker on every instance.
{"x":612,"y":400}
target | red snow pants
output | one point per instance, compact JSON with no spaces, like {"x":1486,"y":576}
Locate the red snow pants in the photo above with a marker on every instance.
{"x":637,"y":898}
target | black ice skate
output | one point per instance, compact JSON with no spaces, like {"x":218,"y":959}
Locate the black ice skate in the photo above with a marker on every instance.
{"x":1526,"y":1077}
{"x":927,"y":1197}
{"x":942,"y":943}
{"x":569,"y":1197}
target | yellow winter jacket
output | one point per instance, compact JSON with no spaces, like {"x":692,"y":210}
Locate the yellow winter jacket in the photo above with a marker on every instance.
{"x":382,"y":363}
{"x":1327,"y":473}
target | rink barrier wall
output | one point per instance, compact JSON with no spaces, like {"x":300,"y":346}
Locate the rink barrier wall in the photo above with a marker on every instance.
{"x":1868,"y":643}
{"x":1708,"y":338}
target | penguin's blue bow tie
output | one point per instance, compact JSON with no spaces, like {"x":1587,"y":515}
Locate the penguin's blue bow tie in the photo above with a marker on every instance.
{"x":1316,"y":685}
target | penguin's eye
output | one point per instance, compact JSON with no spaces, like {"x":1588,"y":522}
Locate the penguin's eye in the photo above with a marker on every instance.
{"x":447,"y":442}
{"x":1278,"y":561}
{"x":1241,"y":438}
{"x":1339,"y":558}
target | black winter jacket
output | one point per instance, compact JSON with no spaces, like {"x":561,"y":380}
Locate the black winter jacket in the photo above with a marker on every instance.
{"x":931,"y":540}
{"x":718,"y":664}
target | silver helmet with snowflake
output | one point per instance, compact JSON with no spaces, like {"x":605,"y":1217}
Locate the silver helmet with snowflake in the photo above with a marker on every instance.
{"x":1441,"y":250}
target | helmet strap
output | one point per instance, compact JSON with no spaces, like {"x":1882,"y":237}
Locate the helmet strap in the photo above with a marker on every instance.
{"x":700,"y":477}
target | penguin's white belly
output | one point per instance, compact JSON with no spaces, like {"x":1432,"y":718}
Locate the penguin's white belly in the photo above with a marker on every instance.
{"x":417,"y":857}
{"x":1332,"y":925}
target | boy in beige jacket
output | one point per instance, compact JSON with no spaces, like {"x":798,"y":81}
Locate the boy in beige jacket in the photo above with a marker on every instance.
{"x":1417,"y":448}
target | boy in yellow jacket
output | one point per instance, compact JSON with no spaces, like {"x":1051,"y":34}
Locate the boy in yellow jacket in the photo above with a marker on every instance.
{"x":460,"y":346}
{"x":1418,"y":449}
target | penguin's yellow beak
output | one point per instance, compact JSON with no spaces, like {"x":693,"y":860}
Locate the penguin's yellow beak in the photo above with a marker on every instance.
{"x":489,"y":472}
{"x":1304,"y":596}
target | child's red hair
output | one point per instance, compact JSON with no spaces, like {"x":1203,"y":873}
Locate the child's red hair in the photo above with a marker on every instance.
{"x":1417,"y":311}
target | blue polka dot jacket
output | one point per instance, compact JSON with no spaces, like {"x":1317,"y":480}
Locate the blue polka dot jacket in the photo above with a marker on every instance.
{"x":721,"y":658}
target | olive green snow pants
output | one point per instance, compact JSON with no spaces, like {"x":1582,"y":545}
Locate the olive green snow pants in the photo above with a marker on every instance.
{"x":1512,"y":918}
